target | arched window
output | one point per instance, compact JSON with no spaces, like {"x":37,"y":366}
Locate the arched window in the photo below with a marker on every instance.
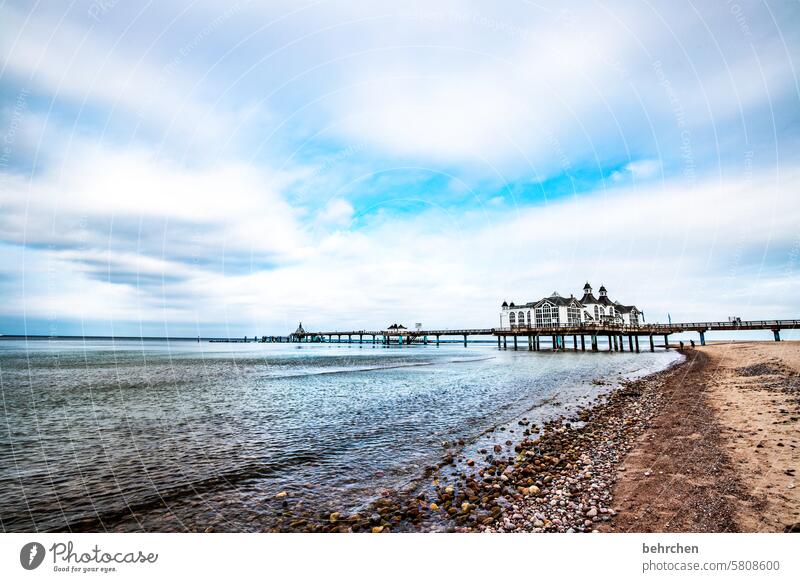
{"x":597,"y":313}
{"x":529,"y":318}
{"x":521,"y":318}
{"x":512,"y":319}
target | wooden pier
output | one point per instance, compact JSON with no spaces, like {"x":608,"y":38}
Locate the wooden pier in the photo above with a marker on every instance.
{"x":584,"y":337}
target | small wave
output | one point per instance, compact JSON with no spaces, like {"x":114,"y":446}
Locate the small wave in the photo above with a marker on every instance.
{"x":349,"y":370}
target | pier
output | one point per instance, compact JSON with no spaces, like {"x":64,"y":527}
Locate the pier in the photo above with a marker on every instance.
{"x":582,"y":337}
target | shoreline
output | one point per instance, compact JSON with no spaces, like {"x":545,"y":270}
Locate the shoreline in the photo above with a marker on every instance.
{"x":557,"y":478}
{"x":658,"y":454}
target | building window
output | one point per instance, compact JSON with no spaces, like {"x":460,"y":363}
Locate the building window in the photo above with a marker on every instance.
{"x":546,"y":315}
{"x":512,"y":319}
{"x":597,"y":313}
{"x":634,"y":318}
{"x":529,"y":319}
{"x":574,"y":315}
{"x":521,"y":318}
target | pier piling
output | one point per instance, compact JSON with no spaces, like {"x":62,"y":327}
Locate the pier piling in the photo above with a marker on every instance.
{"x":777,"y":334}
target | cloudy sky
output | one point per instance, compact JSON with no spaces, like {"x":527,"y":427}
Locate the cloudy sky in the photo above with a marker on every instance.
{"x":187,"y":168}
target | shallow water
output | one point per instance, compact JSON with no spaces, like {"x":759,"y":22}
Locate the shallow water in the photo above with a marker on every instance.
{"x":175,"y":436}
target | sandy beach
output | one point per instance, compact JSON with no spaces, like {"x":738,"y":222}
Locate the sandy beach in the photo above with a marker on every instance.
{"x":722,"y":453}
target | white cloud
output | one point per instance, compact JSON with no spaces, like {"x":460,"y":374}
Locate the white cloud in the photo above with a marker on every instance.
{"x":133,"y":203}
{"x":337,"y":213}
{"x":638,"y":170}
{"x":65,"y":60}
{"x":654,"y":246}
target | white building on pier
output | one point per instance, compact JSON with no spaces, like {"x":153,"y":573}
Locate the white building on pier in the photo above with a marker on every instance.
{"x":558,"y":311}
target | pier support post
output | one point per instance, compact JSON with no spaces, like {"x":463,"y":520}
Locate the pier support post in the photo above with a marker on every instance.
{"x":554,"y":342}
{"x":777,"y":334}
{"x":575,"y":342}
{"x":465,"y":341}
{"x":636,"y":338}
{"x":505,"y":342}
{"x":702,"y":338}
{"x":621,"y":343}
{"x":630,"y":342}
{"x":610,"y":344}
{"x":652,"y":345}
{"x":594,"y":342}
{"x":498,"y":343}
{"x":616,"y":345}
{"x":530,"y":343}
{"x":583,"y":343}
{"x":515,"y":342}
{"x":437,"y":340}
{"x":361,"y":338}
{"x":666,"y":341}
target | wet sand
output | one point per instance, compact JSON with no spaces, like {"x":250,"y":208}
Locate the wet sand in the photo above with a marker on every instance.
{"x":722,"y":453}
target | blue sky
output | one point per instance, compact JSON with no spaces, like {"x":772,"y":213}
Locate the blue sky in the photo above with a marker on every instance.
{"x":189,"y":167}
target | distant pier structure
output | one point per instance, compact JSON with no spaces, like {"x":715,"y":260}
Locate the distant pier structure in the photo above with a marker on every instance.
{"x":550,"y":323}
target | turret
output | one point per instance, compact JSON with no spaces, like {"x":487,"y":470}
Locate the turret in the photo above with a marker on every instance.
{"x":603,"y":291}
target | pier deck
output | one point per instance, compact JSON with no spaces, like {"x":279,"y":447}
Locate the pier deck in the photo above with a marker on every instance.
{"x":615,"y":333}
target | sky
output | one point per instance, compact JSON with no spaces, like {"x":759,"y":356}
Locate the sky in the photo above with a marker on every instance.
{"x":207,"y":168}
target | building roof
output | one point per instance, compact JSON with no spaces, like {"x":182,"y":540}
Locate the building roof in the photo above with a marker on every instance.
{"x":557,"y":299}
{"x":587,"y":299}
{"x":604,"y":300}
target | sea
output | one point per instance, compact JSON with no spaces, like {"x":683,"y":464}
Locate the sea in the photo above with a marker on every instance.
{"x":156,"y":435}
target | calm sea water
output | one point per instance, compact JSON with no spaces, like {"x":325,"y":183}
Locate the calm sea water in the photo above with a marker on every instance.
{"x":176,"y":436}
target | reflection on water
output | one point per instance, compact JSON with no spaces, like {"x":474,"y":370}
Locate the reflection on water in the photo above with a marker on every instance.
{"x":179,"y":436}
